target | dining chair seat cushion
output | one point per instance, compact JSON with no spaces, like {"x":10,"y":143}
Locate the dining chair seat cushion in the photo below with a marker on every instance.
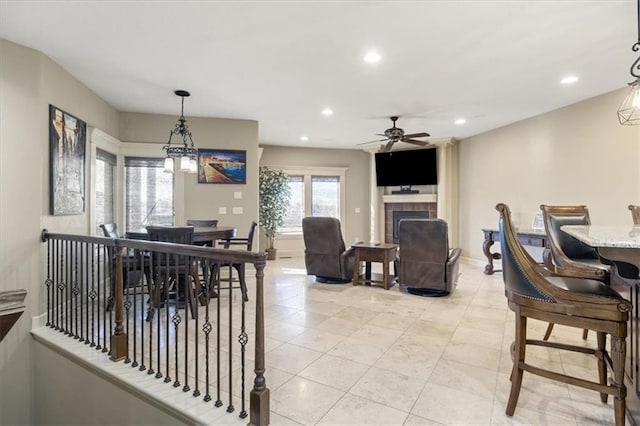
{"x":583,"y":285}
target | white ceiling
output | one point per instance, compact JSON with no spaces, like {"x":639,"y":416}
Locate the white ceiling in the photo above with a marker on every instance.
{"x":282,"y":62}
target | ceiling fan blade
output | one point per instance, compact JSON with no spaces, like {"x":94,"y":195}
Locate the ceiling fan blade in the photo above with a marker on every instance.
{"x":418,"y":135}
{"x":388,"y":146}
{"x":415,"y":142}
{"x":377,"y":140}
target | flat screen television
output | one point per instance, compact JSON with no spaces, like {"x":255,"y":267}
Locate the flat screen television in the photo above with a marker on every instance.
{"x":406,"y":168}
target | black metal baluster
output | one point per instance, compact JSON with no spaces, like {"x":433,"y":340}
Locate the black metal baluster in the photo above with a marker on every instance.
{"x":176,"y":320}
{"x":206,"y":327}
{"x":243,"y":339}
{"x":92,"y":295}
{"x":230,"y":407}
{"x":218,"y":400}
{"x":61,"y":284}
{"x":105,"y":291}
{"x":127,"y":300}
{"x":196,"y":299}
{"x":76,"y":287}
{"x":88,"y":275}
{"x":64,"y":290}
{"x":98,"y":292}
{"x":151,"y":310}
{"x":138,"y":262}
{"x":48,"y":282}
{"x":186,"y":387}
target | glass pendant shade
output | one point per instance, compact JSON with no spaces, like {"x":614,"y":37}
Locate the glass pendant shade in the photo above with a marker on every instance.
{"x":629,"y":111}
{"x":193,"y":166}
{"x":168,"y":165}
{"x":184,"y":163}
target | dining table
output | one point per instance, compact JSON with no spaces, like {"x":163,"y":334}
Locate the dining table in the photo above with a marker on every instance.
{"x":200,"y":233}
{"x":620,"y":245}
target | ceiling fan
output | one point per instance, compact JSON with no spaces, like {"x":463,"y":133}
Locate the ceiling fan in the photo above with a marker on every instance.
{"x":396,"y":134}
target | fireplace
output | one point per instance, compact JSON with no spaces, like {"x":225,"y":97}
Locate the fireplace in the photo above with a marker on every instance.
{"x":394,"y":211}
{"x":406,"y":214}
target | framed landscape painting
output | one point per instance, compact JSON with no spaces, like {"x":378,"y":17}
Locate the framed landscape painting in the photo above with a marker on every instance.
{"x":67,"y":145}
{"x":222,"y":166}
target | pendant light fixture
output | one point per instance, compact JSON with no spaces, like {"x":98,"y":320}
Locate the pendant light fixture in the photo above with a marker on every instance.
{"x":629,"y":111}
{"x":186,"y":153}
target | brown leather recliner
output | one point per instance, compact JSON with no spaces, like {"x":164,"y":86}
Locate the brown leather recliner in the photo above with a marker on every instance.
{"x":325,"y":255}
{"x":426,"y":265}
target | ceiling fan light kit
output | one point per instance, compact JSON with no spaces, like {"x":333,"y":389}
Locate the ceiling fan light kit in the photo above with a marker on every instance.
{"x":629,"y":111}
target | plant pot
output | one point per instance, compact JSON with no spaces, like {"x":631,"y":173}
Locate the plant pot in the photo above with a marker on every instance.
{"x":271,"y":254}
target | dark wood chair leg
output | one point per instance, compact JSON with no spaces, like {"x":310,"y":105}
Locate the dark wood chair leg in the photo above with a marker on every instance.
{"x":547,"y":333}
{"x":602,"y":365}
{"x":518,"y":358}
{"x":585,"y":333}
{"x":618,"y":355}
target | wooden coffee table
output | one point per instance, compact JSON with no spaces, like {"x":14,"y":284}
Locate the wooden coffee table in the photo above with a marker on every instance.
{"x":374,"y":252}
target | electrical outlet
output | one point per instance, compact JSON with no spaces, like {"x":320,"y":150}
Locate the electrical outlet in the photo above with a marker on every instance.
{"x":237,"y":195}
{"x":222,"y":210}
{"x":238,"y":210}
{"x":357,"y":209}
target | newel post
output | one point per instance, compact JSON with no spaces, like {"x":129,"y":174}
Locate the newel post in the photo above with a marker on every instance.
{"x":259,"y":397}
{"x":119,"y":339}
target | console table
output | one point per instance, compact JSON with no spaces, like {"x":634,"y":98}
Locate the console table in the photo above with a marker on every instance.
{"x":527,"y":237}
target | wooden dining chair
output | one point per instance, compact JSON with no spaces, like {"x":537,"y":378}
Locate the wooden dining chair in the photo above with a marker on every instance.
{"x":135,"y":265}
{"x":172,"y":270}
{"x":635,"y":214}
{"x":566,"y":255}
{"x":239,"y":267}
{"x":533,"y":291}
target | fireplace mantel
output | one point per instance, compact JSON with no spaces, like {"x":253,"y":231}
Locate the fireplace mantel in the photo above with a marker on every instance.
{"x":410,"y":198}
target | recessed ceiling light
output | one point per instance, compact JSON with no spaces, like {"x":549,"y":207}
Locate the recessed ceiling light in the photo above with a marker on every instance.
{"x":570,"y":79}
{"x":304,"y":138}
{"x":327,"y":112}
{"x":372,"y":57}
{"x":460,"y":121}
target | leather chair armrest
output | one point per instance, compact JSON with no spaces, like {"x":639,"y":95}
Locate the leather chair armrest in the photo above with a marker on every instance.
{"x":454,"y":255}
{"x":347,"y":262}
{"x":452,"y":266}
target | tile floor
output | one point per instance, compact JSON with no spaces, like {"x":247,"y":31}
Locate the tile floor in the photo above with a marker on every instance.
{"x":345,"y":355}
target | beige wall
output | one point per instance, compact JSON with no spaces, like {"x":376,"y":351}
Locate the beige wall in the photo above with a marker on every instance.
{"x":357,"y":179}
{"x":574,"y":155}
{"x":202,"y":201}
{"x":29,"y":82}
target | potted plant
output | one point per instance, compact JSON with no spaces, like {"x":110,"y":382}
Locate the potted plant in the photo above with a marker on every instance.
{"x":274,"y":201}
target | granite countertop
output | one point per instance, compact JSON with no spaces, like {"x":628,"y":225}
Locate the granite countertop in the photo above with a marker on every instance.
{"x":606,"y":236}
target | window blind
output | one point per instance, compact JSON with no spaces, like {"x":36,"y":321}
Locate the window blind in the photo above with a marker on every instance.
{"x":149,"y":193}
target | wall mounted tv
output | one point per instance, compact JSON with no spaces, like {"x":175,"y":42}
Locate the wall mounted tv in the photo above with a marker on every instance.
{"x":406,"y":168}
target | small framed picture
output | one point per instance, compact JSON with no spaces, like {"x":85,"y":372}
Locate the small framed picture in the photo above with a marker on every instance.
{"x":538,"y":222}
{"x":222,"y":166}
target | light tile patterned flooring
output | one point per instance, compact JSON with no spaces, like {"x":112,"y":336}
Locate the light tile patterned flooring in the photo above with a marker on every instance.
{"x":345,"y":355}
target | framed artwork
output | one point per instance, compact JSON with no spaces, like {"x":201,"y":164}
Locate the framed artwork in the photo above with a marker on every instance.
{"x":67,"y":146}
{"x":222,"y":166}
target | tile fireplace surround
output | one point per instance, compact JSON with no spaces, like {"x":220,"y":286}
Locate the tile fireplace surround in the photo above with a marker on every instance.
{"x":430,"y":207}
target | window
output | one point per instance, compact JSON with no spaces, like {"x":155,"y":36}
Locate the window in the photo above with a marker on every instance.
{"x":295,"y":213}
{"x":149,"y":193}
{"x":314,"y":192}
{"x":104,"y":188}
{"x":325,"y":193}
